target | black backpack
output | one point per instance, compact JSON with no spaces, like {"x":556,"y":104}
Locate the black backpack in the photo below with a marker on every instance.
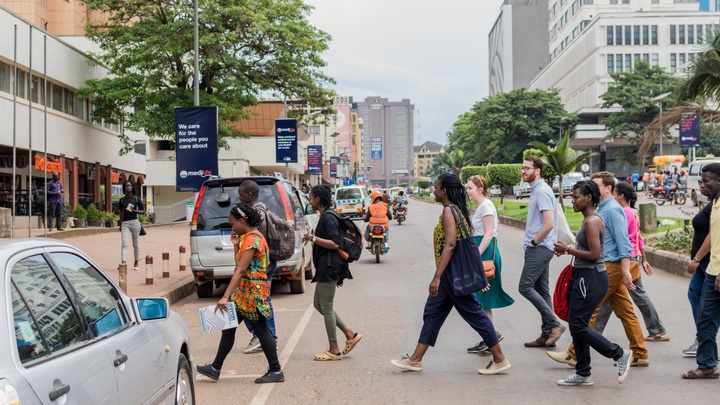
{"x":351,"y":239}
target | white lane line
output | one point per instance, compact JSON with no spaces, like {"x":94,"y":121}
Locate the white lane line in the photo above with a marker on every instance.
{"x":265,"y":390}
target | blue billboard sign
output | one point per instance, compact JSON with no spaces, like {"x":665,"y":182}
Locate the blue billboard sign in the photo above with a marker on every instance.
{"x":376,"y":148}
{"x":196,"y":131}
{"x":689,"y":130}
{"x":314,"y":155}
{"x":334,"y":160}
{"x":286,"y":141}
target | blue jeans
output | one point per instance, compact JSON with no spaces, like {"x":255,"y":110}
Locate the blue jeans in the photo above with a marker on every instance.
{"x":694,"y":290}
{"x":534,"y":285}
{"x":587,"y":289}
{"x":272,"y":266}
{"x":708,"y":325}
{"x":55,"y":211}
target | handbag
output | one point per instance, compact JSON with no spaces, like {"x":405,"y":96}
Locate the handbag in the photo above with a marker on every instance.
{"x":489,"y":265}
{"x":465,"y":269}
{"x":561,"y":293}
{"x":564,"y":234}
{"x":142,"y":231}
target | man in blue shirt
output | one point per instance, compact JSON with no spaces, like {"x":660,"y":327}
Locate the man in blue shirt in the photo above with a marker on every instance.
{"x":617,"y":253}
{"x":540,"y":235}
{"x":635,"y":180}
{"x":55,"y":202}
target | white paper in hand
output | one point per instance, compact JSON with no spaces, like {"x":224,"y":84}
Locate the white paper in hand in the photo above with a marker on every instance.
{"x":212,"y":320}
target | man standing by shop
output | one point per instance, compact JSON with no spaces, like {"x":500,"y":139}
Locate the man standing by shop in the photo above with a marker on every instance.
{"x":540,"y":235}
{"x":617,"y":253}
{"x":55,"y":202}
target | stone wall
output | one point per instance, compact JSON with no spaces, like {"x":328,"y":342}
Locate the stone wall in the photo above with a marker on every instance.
{"x":5,"y":222}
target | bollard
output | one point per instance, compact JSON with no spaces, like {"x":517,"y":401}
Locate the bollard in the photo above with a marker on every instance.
{"x":148,"y":270}
{"x":166,"y":265}
{"x":183,"y":260}
{"x":122,"y":269}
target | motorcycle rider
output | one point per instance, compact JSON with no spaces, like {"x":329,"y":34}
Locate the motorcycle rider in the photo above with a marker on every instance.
{"x":671,"y":180}
{"x":400,"y":202}
{"x":378,"y":214}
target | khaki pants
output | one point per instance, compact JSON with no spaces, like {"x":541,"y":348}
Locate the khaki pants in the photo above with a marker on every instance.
{"x":619,"y":299}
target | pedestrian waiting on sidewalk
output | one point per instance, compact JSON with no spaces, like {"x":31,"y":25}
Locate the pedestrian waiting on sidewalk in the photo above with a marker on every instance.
{"x":588,"y":287}
{"x":55,"y":202}
{"x":249,"y":289}
{"x":450,"y":192}
{"x":130,"y":205}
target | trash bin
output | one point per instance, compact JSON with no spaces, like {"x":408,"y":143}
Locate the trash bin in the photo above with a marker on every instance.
{"x":189,"y":207}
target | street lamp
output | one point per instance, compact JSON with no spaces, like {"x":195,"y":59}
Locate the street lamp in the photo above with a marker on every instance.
{"x":659,"y":100}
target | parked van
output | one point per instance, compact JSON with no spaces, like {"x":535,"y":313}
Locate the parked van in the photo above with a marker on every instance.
{"x":694,"y":172}
{"x":352,"y":201}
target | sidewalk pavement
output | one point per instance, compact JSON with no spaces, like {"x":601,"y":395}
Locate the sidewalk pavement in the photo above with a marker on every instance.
{"x":103,"y":246}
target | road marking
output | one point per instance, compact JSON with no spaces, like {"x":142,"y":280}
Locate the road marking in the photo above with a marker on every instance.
{"x":265,"y":390}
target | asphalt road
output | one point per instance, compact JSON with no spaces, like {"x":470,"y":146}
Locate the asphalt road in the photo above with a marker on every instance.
{"x":384,"y":302}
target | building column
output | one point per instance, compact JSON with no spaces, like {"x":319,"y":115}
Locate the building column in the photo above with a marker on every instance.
{"x":96,"y":184}
{"x":73,"y":183}
{"x":108,"y":188}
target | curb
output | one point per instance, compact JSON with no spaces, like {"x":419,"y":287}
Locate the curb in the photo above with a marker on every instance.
{"x":671,"y":262}
{"x":181,"y":290}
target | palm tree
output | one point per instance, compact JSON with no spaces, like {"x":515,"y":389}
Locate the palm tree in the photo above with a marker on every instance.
{"x":454,"y":160}
{"x":562,"y":159}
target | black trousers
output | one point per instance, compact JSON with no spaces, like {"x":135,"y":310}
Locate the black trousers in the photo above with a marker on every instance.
{"x":267,"y":342}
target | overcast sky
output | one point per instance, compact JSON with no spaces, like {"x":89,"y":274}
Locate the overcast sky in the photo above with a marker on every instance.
{"x":431,"y":52}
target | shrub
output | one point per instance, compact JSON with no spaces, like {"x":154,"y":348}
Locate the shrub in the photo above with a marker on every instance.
{"x":65,"y":215}
{"x":468,"y":171}
{"x":504,"y":175}
{"x":676,"y":241}
{"x":80,"y":212}
{"x":92,"y":212}
{"x":423,"y":184}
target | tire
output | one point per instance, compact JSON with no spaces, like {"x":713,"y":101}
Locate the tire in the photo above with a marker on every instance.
{"x":680,"y":199}
{"x":204,"y":290}
{"x":693,"y":198}
{"x":377,"y":254}
{"x":660,"y":201}
{"x":298,"y":286}
{"x":184,"y":384}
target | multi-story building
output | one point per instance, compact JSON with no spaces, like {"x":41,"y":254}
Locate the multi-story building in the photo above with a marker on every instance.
{"x":517,"y":44}
{"x":387,"y":140}
{"x":589,"y":39}
{"x":424,"y":156}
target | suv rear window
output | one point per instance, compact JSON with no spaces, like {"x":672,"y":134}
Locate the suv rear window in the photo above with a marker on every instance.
{"x":348,"y":194}
{"x":214,"y":217}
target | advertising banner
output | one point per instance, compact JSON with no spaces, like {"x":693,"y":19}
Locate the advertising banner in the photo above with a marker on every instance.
{"x":334,"y":161}
{"x":286,"y":141}
{"x":314,"y":154}
{"x":376,"y":148}
{"x":342,"y":122}
{"x":196,"y":131}
{"x":689,"y":130}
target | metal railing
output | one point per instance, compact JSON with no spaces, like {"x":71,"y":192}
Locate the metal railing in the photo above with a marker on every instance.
{"x":171,"y":213}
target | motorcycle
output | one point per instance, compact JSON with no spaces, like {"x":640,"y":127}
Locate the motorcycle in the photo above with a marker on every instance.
{"x":377,"y":241}
{"x":400,"y":214}
{"x":677,"y":195}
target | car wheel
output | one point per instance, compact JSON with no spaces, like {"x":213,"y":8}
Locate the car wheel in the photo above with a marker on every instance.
{"x":204,"y":290}
{"x":184,"y":384}
{"x":298,"y":286}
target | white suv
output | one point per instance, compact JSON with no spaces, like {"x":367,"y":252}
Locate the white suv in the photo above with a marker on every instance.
{"x":694,"y":172}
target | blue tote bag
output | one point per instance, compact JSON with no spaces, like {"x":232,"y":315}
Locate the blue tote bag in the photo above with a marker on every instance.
{"x":465,"y":271}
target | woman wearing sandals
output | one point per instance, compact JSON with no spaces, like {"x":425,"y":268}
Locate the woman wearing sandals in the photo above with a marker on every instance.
{"x":450,"y":191}
{"x":330,"y":272}
{"x":485,"y":223}
{"x":588,"y":287}
{"x":249,"y":288}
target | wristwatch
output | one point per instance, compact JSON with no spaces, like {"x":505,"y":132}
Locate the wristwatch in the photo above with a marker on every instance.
{"x":694,"y":260}
{"x":532,"y":242}
{"x":314,"y":238}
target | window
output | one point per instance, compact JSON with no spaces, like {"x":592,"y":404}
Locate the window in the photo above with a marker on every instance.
{"x":587,"y":1}
{"x":618,"y":63}
{"x":636,"y":59}
{"x":618,"y":35}
{"x":60,"y":326}
{"x":699,"y":32}
{"x":681,"y":34}
{"x":37,"y":90}
{"x":681,"y":62}
{"x":21,"y":80}
{"x":654,"y":59}
{"x":610,"y":64}
{"x":645,"y":35}
{"x":646,"y":58}
{"x":100,"y":302}
{"x":672,"y":35}
{"x":654,"y":34}
{"x":609,"y":32}
{"x":628,"y":62}
{"x":628,"y":35}
{"x":57,"y":97}
{"x":673,"y":62}
{"x":613,"y":1}
{"x":690,"y":35}
{"x":636,"y":35}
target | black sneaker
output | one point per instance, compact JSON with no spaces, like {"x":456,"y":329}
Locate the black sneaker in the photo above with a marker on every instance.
{"x":209,"y":371}
{"x":271,"y":377}
{"x":482,"y":347}
{"x":486,"y":350}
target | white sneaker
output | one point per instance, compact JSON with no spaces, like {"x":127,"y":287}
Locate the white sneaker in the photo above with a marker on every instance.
{"x":623,"y":365}
{"x":253,"y":346}
{"x":576,"y":380}
{"x":495,"y":368}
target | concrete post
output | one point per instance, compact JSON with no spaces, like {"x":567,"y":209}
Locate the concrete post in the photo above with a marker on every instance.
{"x":648,"y":217}
{"x":183,"y":259}
{"x":122,"y":269}
{"x":166,"y":265}
{"x":148,"y":270}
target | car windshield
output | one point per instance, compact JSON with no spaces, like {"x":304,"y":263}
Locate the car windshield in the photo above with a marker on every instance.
{"x":213,"y":217}
{"x":348,"y":194}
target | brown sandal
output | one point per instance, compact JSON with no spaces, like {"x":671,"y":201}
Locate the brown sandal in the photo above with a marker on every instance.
{"x":660,"y":337}
{"x":327,"y":356}
{"x":350,"y":343}
{"x":711,"y":373}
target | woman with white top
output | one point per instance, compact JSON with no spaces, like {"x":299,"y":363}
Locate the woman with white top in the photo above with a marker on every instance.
{"x":485,"y":223}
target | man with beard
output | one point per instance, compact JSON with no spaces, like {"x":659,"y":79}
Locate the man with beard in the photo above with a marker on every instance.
{"x":540,"y":235}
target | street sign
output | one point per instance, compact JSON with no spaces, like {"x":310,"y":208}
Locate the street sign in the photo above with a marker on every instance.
{"x":334,"y":160}
{"x":400,"y":172}
{"x":196,"y":130}
{"x":689,"y":130}
{"x":585,"y":167}
{"x":286,"y":141}
{"x":314,"y":155}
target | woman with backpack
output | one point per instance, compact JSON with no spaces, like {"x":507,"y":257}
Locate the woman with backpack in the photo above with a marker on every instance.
{"x":130,"y":206}
{"x":588,"y":286}
{"x":331,"y":269}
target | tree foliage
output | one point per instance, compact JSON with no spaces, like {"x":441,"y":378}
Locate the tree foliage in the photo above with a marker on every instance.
{"x":454,"y":161}
{"x":247,"y":49}
{"x":469,"y":171}
{"x":633,"y":92}
{"x":703,"y":82}
{"x":498,"y":128}
{"x":709,"y":141}
{"x":504,"y":175}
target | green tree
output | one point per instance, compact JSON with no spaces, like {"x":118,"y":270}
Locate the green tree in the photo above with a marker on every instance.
{"x":247,"y":49}
{"x":498,"y":128}
{"x":562,"y":159}
{"x":469,"y":171}
{"x":504,"y":175}
{"x":454,"y":161}
{"x":703,"y":82}
{"x":709,"y":140}
{"x":633,"y":92}
{"x":423,"y":184}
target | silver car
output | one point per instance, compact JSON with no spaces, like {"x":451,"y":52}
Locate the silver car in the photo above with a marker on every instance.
{"x":71,"y":336}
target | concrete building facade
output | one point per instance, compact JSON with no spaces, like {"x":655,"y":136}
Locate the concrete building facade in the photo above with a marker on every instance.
{"x":424,"y":156}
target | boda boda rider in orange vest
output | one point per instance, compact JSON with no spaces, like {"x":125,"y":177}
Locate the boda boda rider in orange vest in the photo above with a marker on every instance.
{"x":378,"y":214}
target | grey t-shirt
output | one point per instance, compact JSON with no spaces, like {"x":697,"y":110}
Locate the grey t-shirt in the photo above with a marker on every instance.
{"x":542,"y":199}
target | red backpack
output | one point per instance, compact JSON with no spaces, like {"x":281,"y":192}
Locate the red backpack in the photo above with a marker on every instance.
{"x":561,"y":294}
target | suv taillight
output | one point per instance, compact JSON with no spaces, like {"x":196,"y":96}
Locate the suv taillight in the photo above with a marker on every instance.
{"x":286,"y":204}
{"x":196,"y":211}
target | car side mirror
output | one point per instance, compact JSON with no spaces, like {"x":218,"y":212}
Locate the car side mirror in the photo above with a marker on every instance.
{"x":149,"y":309}
{"x":309,"y":210}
